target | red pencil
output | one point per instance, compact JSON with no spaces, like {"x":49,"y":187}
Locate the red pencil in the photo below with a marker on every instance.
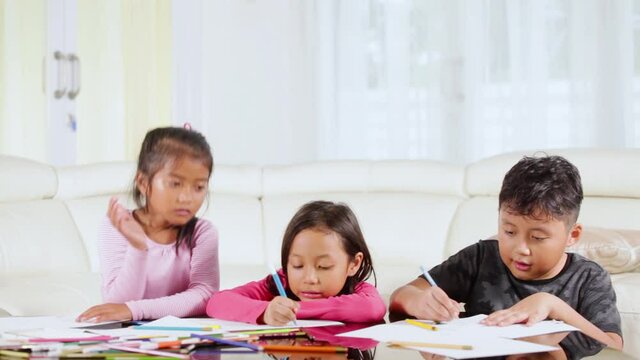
{"x":300,"y":348}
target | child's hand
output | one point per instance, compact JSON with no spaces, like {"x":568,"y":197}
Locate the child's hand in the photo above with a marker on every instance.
{"x":280,"y":311}
{"x":530,"y":310}
{"x":105,"y":312}
{"x":122,"y":220}
{"x":434,"y":304}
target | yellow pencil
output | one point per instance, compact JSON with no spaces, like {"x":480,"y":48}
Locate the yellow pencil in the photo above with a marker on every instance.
{"x":431,"y":345}
{"x":421,"y":324}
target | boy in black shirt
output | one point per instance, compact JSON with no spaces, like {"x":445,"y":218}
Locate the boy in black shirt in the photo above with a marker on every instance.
{"x":525,"y":276}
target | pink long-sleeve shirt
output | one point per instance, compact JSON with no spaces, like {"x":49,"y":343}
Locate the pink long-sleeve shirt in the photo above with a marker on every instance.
{"x":248,"y":302}
{"x":158,"y":282}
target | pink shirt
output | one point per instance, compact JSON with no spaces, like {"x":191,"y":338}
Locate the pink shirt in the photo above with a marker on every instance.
{"x":157,"y":282}
{"x":247,"y":302}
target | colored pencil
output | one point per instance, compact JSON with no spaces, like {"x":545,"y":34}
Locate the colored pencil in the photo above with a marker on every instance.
{"x":421,"y":324}
{"x":304,"y":348}
{"x":228,"y":342}
{"x":428,"y":276}
{"x":429,"y":345}
{"x":267,"y":331}
{"x":148,"y":352}
{"x":276,"y":279}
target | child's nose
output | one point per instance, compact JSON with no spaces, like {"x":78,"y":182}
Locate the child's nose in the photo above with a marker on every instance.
{"x":185,"y":195}
{"x":523,"y":247}
{"x":310,"y":276}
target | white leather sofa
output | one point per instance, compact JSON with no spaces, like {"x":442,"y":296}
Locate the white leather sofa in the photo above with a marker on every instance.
{"x":412,"y":213}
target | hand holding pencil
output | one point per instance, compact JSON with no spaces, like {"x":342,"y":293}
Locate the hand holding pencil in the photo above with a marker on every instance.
{"x":281,"y":310}
{"x":434,"y":304}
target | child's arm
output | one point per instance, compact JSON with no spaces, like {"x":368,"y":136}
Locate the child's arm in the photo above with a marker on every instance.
{"x":421,"y":300}
{"x":122,"y":266}
{"x":540,"y":306}
{"x":364,"y":305}
{"x":244,"y":303}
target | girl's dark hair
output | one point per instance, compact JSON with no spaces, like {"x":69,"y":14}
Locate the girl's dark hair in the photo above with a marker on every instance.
{"x":165,"y":145}
{"x":334,"y":217}
{"x":548,"y":186}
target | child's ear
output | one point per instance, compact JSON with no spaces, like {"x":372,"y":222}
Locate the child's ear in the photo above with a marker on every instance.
{"x":354,"y":265}
{"x":574,"y":234}
{"x":142,"y":183}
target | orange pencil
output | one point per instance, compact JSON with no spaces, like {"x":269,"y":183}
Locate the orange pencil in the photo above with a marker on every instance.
{"x":160,"y":345}
{"x":300,"y":348}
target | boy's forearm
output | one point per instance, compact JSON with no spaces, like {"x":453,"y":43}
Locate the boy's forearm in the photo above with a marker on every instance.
{"x":562,"y":311}
{"x":401,"y":297}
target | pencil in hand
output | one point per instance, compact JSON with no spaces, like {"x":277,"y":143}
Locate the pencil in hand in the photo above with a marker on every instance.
{"x":276,"y":280}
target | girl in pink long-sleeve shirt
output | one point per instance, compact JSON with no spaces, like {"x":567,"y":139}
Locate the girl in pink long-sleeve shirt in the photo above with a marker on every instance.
{"x":325,"y":262}
{"x":160,"y":259}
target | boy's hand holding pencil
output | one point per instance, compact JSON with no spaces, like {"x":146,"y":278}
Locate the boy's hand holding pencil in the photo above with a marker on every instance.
{"x":434,"y":304}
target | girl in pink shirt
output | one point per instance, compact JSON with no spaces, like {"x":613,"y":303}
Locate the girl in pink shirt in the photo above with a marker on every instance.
{"x":325,"y":262}
{"x":160,"y":259}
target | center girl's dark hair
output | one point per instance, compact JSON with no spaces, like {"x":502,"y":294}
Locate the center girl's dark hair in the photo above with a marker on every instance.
{"x":169,"y":145}
{"x":333,"y":217}
{"x":548,"y":186}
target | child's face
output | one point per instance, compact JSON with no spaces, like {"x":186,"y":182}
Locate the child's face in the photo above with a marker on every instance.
{"x":532,"y":248}
{"x":318,"y":265}
{"x":177,"y":190}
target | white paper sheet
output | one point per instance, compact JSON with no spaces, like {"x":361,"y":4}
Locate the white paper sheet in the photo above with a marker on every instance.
{"x":13,"y":323}
{"x":48,"y":333}
{"x":471,"y":325}
{"x":485,"y":340}
{"x":225,"y":326}
{"x":488,"y":347}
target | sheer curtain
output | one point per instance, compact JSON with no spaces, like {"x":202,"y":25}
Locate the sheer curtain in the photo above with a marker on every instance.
{"x":461,"y":80}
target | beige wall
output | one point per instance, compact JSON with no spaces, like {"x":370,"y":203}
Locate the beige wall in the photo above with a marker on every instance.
{"x":125,"y":52}
{"x":23,"y":120}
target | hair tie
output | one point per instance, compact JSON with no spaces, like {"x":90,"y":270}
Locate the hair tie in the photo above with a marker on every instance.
{"x":187,"y":126}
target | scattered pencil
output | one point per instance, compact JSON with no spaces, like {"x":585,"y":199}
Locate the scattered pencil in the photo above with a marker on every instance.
{"x":429,"y":345}
{"x":421,"y":324}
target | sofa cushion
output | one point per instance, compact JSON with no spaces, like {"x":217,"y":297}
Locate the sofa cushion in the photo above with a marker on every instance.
{"x":39,"y":236}
{"x":365,"y":176}
{"x":95,"y":179}
{"x":24,"y":179}
{"x":616,"y":250}
{"x":604,"y":172}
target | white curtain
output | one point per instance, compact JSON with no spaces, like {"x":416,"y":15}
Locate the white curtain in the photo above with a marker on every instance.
{"x":461,"y":80}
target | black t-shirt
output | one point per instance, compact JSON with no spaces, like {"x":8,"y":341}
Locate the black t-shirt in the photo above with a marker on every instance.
{"x":477,"y":277}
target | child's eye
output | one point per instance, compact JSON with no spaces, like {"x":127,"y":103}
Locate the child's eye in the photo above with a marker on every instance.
{"x":510,"y":233}
{"x":325,"y":267}
{"x":538,"y":238}
{"x":296,"y":266}
{"x":174,"y":183}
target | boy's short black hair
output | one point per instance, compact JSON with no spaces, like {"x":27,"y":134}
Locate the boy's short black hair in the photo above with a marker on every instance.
{"x":543,"y":186}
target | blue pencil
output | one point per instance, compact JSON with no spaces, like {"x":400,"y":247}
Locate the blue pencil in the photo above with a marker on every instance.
{"x":281,"y":291}
{"x":433,"y":282}
{"x":428,"y":276}
{"x":228,"y":342}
